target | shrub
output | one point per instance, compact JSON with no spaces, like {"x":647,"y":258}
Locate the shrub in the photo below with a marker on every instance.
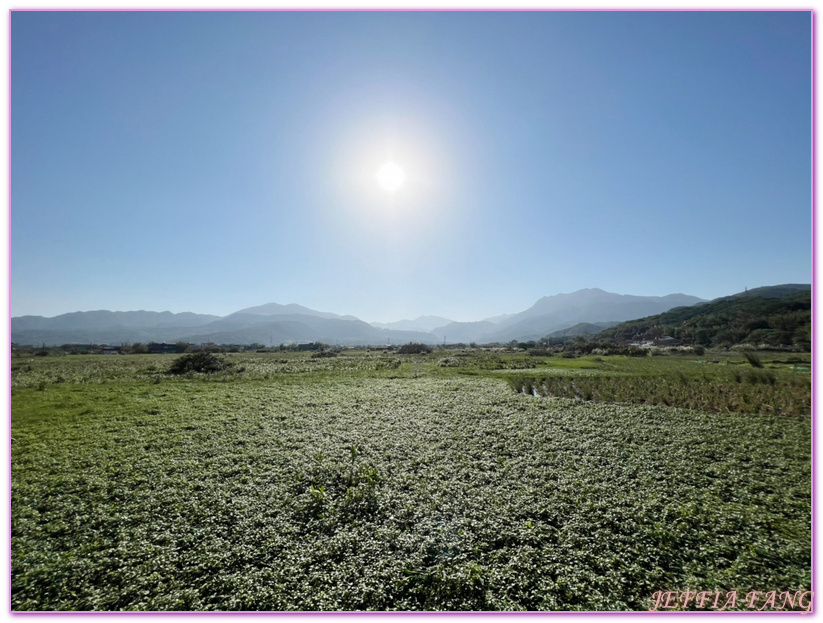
{"x":203,"y":362}
{"x":414,"y":348}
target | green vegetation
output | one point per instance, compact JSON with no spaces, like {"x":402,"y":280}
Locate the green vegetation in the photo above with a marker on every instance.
{"x":204,"y":363}
{"x":379,"y":480}
{"x":414,"y":348}
{"x":780,"y":322}
{"x":727,"y":384}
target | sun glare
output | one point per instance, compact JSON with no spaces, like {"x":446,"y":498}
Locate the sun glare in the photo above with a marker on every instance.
{"x":391,"y":177}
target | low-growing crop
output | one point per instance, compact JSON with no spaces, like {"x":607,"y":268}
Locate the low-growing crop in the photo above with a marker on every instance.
{"x":339,"y":484}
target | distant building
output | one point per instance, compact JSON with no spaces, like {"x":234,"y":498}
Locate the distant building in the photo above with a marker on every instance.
{"x":110,"y":350}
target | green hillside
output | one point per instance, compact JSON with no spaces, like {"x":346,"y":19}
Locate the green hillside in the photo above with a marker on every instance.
{"x":777,"y":316}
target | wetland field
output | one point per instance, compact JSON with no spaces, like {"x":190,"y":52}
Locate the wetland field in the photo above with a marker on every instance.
{"x":455,"y":480}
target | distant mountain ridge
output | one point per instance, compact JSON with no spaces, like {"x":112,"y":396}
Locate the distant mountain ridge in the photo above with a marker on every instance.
{"x":591,"y":300}
{"x":421,"y":323}
{"x":561,"y":311}
{"x":275,"y":309}
{"x":276,"y":329}
{"x":104,"y":319}
{"x":583,"y":328}
{"x":769,"y":292}
{"x":274,"y":323}
{"x":270,"y":324}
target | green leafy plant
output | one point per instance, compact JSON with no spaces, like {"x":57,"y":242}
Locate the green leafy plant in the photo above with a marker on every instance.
{"x":202,"y":362}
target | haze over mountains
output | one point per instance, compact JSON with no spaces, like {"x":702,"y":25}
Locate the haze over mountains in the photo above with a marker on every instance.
{"x":423,"y":323}
{"x":274,"y":324}
{"x":553,"y":313}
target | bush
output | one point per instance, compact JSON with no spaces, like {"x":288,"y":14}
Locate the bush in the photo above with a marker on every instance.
{"x":203,"y":362}
{"x":414,"y":348}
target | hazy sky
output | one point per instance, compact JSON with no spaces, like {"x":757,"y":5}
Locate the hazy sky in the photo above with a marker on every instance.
{"x":212,"y":161}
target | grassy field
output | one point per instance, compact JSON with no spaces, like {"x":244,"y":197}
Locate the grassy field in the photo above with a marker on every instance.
{"x":381,"y":481}
{"x":778,"y":384}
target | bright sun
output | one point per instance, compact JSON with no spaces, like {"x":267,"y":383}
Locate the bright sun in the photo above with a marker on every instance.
{"x":390,"y":176}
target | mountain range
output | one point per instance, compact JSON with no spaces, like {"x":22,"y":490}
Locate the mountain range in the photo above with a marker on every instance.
{"x":561,"y":311}
{"x":273,"y":323}
{"x":423,"y":323}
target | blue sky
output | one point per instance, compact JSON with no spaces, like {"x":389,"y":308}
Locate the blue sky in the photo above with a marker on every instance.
{"x":212,"y":161}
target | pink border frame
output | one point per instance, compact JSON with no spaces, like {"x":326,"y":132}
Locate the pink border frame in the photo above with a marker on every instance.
{"x":814,"y":299}
{"x":814,"y":610}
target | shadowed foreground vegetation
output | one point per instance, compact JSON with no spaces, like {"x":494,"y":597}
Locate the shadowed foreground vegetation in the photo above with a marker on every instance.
{"x":387,"y":481}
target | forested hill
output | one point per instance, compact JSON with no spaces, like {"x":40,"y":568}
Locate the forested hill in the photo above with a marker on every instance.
{"x":773,"y":316}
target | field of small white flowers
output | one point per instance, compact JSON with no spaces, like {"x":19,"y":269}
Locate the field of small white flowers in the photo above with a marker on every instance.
{"x":385,"y":482}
